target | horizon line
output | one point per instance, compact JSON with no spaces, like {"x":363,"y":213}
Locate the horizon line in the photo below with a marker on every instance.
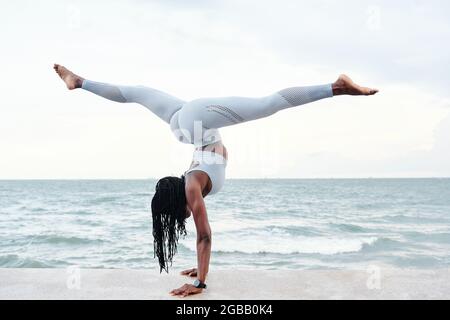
{"x":262,"y":178}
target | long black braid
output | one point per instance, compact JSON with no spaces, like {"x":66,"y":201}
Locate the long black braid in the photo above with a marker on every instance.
{"x":169,"y":218}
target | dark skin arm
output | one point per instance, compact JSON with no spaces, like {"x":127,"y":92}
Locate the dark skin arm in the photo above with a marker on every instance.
{"x":196,"y":203}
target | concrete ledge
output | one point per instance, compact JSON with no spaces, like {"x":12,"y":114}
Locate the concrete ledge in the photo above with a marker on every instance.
{"x":292,"y":285}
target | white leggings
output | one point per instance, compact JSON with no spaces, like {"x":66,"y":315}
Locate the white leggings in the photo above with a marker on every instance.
{"x":197,"y":121}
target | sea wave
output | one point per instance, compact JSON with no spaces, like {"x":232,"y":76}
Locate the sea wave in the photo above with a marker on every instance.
{"x":16,"y":261}
{"x":383,"y":244}
{"x":244,"y":224}
{"x":349,"y":227}
{"x":402,"y":218}
{"x":77,"y":212}
{"x":62,"y":239}
{"x":436,"y":237}
{"x":286,"y":245}
{"x":104,"y":199}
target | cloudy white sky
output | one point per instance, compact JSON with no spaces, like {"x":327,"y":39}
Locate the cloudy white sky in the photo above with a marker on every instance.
{"x":217,"y":48}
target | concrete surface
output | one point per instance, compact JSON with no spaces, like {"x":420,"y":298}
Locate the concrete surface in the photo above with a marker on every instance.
{"x":75,"y":283}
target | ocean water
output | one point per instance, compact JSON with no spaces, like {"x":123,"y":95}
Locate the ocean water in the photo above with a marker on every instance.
{"x":256,"y":224}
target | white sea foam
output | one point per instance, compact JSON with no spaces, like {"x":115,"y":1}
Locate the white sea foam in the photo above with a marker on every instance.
{"x":285,"y":245}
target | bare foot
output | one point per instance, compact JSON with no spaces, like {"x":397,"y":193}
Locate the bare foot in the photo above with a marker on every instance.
{"x":189,"y":272}
{"x":71,"y":79}
{"x":345,"y":85}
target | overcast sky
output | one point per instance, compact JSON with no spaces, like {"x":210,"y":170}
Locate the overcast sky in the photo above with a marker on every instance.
{"x":206,"y":48}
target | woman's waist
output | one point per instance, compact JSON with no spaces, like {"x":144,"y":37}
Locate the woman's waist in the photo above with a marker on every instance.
{"x":208,"y":158}
{"x":215,"y":147}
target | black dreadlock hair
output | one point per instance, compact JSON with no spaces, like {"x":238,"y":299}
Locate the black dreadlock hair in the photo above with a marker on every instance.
{"x":169,"y":218}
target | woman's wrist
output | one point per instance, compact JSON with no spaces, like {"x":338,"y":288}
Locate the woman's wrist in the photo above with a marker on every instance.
{"x":199,"y":284}
{"x":201,"y":277}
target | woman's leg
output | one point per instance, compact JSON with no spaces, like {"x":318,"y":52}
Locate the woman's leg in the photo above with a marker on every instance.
{"x":217,"y":113}
{"x":199,"y":119}
{"x":214,"y":113}
{"x":160,"y":103}
{"x":226,"y":111}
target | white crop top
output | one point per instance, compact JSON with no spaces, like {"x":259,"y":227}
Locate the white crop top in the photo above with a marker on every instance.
{"x":213,"y":164}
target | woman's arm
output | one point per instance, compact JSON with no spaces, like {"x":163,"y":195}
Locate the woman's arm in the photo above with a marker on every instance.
{"x":203,"y":238}
{"x":197,"y":205}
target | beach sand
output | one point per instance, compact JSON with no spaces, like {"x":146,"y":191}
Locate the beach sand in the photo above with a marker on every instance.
{"x":64,"y":284}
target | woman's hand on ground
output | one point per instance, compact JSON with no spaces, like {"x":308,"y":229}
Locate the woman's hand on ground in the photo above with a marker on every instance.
{"x":190,"y":272}
{"x":186,"y":290}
